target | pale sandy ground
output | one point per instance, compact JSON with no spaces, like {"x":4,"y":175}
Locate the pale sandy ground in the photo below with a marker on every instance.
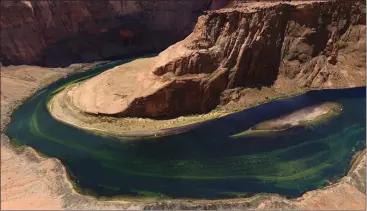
{"x":114,"y":94}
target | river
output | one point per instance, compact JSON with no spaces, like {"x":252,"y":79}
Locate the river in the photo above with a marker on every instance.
{"x":204,"y":162}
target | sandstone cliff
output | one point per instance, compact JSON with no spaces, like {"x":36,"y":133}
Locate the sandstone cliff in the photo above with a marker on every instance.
{"x":251,"y":47}
{"x":57,"y":33}
{"x":300,"y":45}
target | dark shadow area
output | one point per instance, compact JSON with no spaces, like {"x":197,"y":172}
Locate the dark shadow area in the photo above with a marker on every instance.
{"x":106,"y":33}
{"x":110,"y":45}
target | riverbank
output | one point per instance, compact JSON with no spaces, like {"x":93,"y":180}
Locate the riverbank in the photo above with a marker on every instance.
{"x":22,"y":169}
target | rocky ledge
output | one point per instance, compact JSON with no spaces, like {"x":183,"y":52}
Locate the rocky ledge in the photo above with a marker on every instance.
{"x":233,"y":52}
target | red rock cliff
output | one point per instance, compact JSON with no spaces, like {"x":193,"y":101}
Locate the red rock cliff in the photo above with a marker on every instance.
{"x":60,"y":32}
{"x":280,"y":46}
{"x":252,"y":45}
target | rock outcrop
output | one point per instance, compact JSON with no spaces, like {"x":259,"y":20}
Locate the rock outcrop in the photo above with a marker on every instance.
{"x":57,"y":33}
{"x":313,"y":44}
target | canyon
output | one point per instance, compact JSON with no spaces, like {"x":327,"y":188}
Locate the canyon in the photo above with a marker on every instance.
{"x":31,"y":181}
{"x":59,"y":33}
{"x":281,"y":47}
{"x":235,"y":57}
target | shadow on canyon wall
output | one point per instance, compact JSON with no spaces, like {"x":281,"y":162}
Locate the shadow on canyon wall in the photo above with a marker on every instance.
{"x":57,"y":34}
{"x":126,"y":40}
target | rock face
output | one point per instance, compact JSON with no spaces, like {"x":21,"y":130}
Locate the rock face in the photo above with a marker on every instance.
{"x":249,"y":47}
{"x":57,"y":33}
{"x":312,"y":44}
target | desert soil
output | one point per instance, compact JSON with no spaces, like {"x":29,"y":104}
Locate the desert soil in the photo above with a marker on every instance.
{"x":29,"y":181}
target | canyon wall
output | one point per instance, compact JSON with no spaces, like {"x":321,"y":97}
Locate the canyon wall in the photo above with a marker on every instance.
{"x":318,"y":44}
{"x":57,"y":33}
{"x":232,"y":54}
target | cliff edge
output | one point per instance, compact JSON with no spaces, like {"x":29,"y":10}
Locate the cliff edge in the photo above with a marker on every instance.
{"x":281,"y":46}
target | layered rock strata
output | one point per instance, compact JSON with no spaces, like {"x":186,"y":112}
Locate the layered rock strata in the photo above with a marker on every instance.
{"x":253,"y":45}
{"x":55,"y":33}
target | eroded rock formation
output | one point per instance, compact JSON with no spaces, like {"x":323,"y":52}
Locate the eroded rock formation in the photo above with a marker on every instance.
{"x":313,"y":44}
{"x":57,"y":33}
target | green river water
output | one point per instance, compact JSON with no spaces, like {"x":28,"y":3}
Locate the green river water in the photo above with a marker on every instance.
{"x":204,"y":162}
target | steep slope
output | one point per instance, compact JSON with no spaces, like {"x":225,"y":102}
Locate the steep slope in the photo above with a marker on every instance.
{"x":289,"y":46}
{"x":57,"y":33}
